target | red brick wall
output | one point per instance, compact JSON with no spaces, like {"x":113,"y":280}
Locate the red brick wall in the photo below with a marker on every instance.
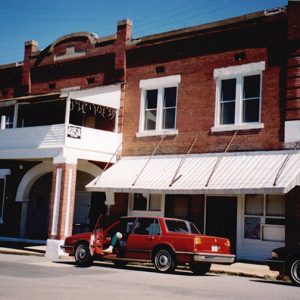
{"x":196,"y":106}
{"x":293,"y":62}
{"x":63,"y":200}
{"x":120,"y":208}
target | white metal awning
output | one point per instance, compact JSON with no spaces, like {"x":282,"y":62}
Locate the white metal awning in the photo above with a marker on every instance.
{"x":108,"y":95}
{"x":236,"y":173}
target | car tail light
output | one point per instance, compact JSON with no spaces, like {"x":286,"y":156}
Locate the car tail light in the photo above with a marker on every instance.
{"x":197,"y":240}
{"x":227,"y":243}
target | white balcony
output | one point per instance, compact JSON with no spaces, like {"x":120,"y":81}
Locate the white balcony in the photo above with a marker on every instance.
{"x":84,"y":125}
{"x":54,"y":140}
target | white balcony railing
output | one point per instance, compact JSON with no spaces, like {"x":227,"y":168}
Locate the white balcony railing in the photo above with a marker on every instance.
{"x":48,"y":141}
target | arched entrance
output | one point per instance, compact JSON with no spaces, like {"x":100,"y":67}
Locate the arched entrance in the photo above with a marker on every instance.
{"x":35,"y":192}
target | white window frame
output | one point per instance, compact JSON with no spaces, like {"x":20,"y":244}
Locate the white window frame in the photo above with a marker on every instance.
{"x":147,"y":212}
{"x":3,"y":174}
{"x":158,"y":84}
{"x":238,"y":73}
{"x":263,"y":217}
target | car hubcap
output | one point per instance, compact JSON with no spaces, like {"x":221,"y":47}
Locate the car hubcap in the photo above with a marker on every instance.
{"x":296,"y":271}
{"x":163,"y":260}
{"x":81,"y":253}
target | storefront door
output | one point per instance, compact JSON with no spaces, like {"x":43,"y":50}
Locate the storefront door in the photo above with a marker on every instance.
{"x":221,"y":218}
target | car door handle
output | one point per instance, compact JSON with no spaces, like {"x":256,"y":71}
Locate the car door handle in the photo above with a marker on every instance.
{"x":150,"y":238}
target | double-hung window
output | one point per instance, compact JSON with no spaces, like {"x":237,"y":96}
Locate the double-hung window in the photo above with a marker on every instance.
{"x":3,"y":173}
{"x":158,"y":105}
{"x":238,"y":97}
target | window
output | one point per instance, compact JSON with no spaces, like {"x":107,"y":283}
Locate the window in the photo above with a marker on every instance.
{"x":151,"y":202}
{"x":238,"y":97}
{"x":264,"y":217}
{"x":158,"y":105}
{"x":177,"y":226}
{"x":147,"y":226}
{"x":7,"y":116}
{"x":3,"y":173}
{"x":124,"y":226}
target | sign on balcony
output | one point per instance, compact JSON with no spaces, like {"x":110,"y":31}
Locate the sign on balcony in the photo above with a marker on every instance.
{"x":74,"y":132}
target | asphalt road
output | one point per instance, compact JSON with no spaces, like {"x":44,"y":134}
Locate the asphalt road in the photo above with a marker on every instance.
{"x":28,"y":277}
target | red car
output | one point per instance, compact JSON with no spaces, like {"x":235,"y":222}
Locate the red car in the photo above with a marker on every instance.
{"x":165,"y":242}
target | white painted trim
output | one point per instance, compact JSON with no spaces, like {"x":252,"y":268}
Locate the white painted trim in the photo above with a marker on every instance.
{"x":238,"y":73}
{"x":107,"y":95}
{"x":46,"y":167}
{"x":65,"y":160}
{"x":292,"y":131}
{"x":248,"y":126}
{"x":166,"y":132}
{"x":160,"y":82}
{"x":68,"y":202}
{"x":136,"y":213}
{"x":56,"y":202}
{"x":30,"y":177}
{"x":241,"y":69}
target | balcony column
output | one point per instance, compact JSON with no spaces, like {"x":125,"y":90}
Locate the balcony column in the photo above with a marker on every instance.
{"x":61,"y":204}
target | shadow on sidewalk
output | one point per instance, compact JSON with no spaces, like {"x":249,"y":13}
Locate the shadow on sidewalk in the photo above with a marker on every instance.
{"x":23,"y":246}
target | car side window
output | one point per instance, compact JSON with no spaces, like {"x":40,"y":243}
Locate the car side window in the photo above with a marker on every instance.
{"x":147,"y":226}
{"x":177,"y":226}
{"x":124,"y":226}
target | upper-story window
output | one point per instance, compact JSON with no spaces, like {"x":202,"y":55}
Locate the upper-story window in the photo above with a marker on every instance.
{"x":238,"y":97}
{"x":158,"y":105}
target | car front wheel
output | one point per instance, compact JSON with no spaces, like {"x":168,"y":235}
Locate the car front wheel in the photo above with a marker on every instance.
{"x":200,"y":269}
{"x":164,"y":261}
{"x":294,"y":271}
{"x":83,"y":256}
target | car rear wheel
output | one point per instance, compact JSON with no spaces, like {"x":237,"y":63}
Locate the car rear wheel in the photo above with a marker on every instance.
{"x":164,"y":261}
{"x":294,"y":271}
{"x":200,"y":269}
{"x":83,"y":256}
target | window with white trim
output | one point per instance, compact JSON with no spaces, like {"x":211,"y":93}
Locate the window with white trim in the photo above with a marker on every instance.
{"x":264,"y":217}
{"x":146,"y":202}
{"x":238,"y":97}
{"x":3,"y":173}
{"x":158,"y":105}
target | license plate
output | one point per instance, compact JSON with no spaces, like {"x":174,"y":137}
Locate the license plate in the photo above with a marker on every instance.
{"x":214,"y":248}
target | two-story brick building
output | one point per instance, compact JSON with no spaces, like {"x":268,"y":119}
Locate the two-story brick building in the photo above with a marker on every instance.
{"x":59,"y":113}
{"x":211,"y":115}
{"x":208,"y":117}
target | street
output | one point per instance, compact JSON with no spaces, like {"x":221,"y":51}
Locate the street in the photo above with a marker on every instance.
{"x":30,"y":277}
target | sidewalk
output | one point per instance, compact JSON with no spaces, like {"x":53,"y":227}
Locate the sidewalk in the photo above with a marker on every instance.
{"x":238,"y":268}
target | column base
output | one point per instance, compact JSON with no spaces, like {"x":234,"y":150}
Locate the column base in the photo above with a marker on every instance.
{"x":53,"y":250}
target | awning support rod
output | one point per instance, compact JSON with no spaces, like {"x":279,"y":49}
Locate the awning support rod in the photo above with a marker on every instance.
{"x":154,"y":151}
{"x":176,"y":177}
{"x":115,"y":153}
{"x":220,"y":158}
{"x":285,"y":163}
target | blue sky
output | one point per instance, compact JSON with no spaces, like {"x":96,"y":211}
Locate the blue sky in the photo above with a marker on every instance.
{"x":47,"y":20}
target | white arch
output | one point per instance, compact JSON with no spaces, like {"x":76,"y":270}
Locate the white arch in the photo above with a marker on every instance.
{"x":46,"y":167}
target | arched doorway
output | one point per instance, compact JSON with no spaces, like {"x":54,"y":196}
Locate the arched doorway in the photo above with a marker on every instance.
{"x":35,"y":191}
